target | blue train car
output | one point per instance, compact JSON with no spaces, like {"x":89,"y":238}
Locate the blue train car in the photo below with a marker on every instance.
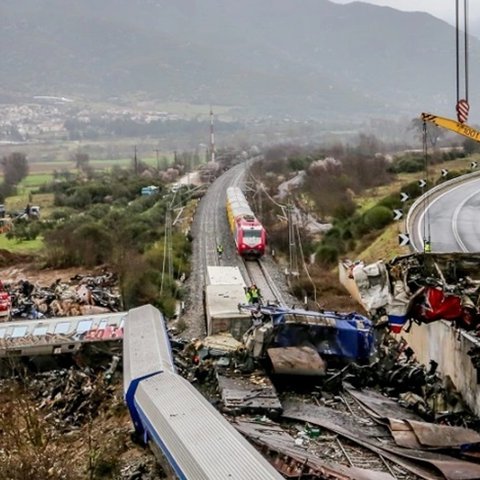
{"x":196,"y":440}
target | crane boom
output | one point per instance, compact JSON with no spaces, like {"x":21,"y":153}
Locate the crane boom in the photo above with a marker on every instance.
{"x":453,"y":125}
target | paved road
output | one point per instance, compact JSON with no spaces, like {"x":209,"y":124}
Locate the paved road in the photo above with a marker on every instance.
{"x":452,"y":219}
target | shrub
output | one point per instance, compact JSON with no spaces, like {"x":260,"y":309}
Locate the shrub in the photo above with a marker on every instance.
{"x":378,"y":217}
{"x":392,"y":201}
{"x":327,"y":254}
{"x":407,"y":165}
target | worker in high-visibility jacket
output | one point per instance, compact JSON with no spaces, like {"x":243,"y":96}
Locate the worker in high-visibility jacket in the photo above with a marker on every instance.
{"x":254,"y":294}
{"x":427,"y":246}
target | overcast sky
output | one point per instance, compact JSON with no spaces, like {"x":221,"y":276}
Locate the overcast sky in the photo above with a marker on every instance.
{"x":444,"y":9}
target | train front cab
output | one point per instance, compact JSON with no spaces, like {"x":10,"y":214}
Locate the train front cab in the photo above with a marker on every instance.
{"x":251,"y":241}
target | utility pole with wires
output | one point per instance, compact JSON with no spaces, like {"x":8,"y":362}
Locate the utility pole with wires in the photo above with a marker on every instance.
{"x":292,"y":244}
{"x":256,"y":188}
{"x":167,"y":266}
{"x":212,"y":137}
{"x":427,"y":240}
{"x":135,"y":160}
{"x":294,"y":237}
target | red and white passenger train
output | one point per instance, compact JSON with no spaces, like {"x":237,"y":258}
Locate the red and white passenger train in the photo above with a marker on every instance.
{"x":249,"y":234}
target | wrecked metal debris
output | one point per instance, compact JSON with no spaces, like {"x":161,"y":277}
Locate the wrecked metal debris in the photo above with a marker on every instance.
{"x":296,"y":361}
{"x":82,"y":295}
{"x":297,"y":462}
{"x":450,"y":467}
{"x":70,"y":397}
{"x":418,"y":287}
{"x":338,"y":338}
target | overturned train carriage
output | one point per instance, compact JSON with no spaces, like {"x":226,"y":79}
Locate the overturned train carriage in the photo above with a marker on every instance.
{"x":248,"y":232}
{"x":172,"y":417}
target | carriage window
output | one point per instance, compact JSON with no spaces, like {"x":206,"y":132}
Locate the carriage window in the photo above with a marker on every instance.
{"x":40,"y":331}
{"x":251,"y":234}
{"x":62,"y":327}
{"x":19,"y":331}
{"x":84,"y":326}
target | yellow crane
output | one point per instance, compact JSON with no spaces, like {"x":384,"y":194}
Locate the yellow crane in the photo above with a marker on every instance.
{"x":453,"y":125}
{"x":459,"y":126}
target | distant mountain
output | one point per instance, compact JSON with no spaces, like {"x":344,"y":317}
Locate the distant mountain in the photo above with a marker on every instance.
{"x":309,"y":58}
{"x":475,"y":27}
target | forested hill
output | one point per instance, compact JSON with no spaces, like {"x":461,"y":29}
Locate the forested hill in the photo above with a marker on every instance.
{"x":305,"y":58}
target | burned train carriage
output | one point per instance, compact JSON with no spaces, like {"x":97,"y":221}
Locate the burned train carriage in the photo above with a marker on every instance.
{"x":248,"y":232}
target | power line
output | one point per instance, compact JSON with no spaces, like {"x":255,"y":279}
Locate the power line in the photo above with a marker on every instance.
{"x":426,"y":199}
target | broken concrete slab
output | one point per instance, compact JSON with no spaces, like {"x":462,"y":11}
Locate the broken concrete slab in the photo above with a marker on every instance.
{"x":253,"y":392}
{"x":296,"y":361}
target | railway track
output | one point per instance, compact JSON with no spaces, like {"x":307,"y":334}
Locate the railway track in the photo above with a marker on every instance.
{"x":259,"y":275}
{"x":362,"y":457}
{"x":212,"y":227}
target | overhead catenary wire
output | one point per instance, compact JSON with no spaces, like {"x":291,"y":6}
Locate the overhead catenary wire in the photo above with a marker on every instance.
{"x":300,"y":246}
{"x":294,"y":237}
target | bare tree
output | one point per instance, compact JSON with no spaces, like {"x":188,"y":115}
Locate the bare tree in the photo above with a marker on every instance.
{"x":82,"y":161}
{"x":15,"y":168}
{"x":434,"y":133}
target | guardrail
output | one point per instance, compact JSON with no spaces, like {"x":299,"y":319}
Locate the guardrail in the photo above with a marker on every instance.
{"x":413,"y":211}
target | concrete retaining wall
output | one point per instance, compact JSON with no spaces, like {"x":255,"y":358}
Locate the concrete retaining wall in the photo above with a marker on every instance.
{"x":449,"y":348}
{"x":438,"y":341}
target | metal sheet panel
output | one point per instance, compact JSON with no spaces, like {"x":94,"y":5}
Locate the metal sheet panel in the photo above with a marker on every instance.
{"x":450,"y":467}
{"x":297,"y":462}
{"x":146,"y":348}
{"x":224,"y":276}
{"x":443,"y":436}
{"x":223,"y":300}
{"x":198,"y":442}
{"x":223,"y":315}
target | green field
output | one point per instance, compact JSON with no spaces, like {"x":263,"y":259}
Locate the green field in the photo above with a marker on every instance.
{"x":35,"y":180}
{"x":30,"y":246}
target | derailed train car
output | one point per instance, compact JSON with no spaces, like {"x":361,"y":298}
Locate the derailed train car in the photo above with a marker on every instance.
{"x":171,"y":416}
{"x":305,"y":342}
{"x":249,"y":234}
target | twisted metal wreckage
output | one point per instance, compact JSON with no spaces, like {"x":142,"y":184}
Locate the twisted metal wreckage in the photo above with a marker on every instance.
{"x":299,"y":341}
{"x":420,"y":288}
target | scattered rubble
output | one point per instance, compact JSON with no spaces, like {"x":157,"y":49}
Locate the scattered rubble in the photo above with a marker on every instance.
{"x":293,"y":458}
{"x":82,"y":295}
{"x":70,"y":396}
